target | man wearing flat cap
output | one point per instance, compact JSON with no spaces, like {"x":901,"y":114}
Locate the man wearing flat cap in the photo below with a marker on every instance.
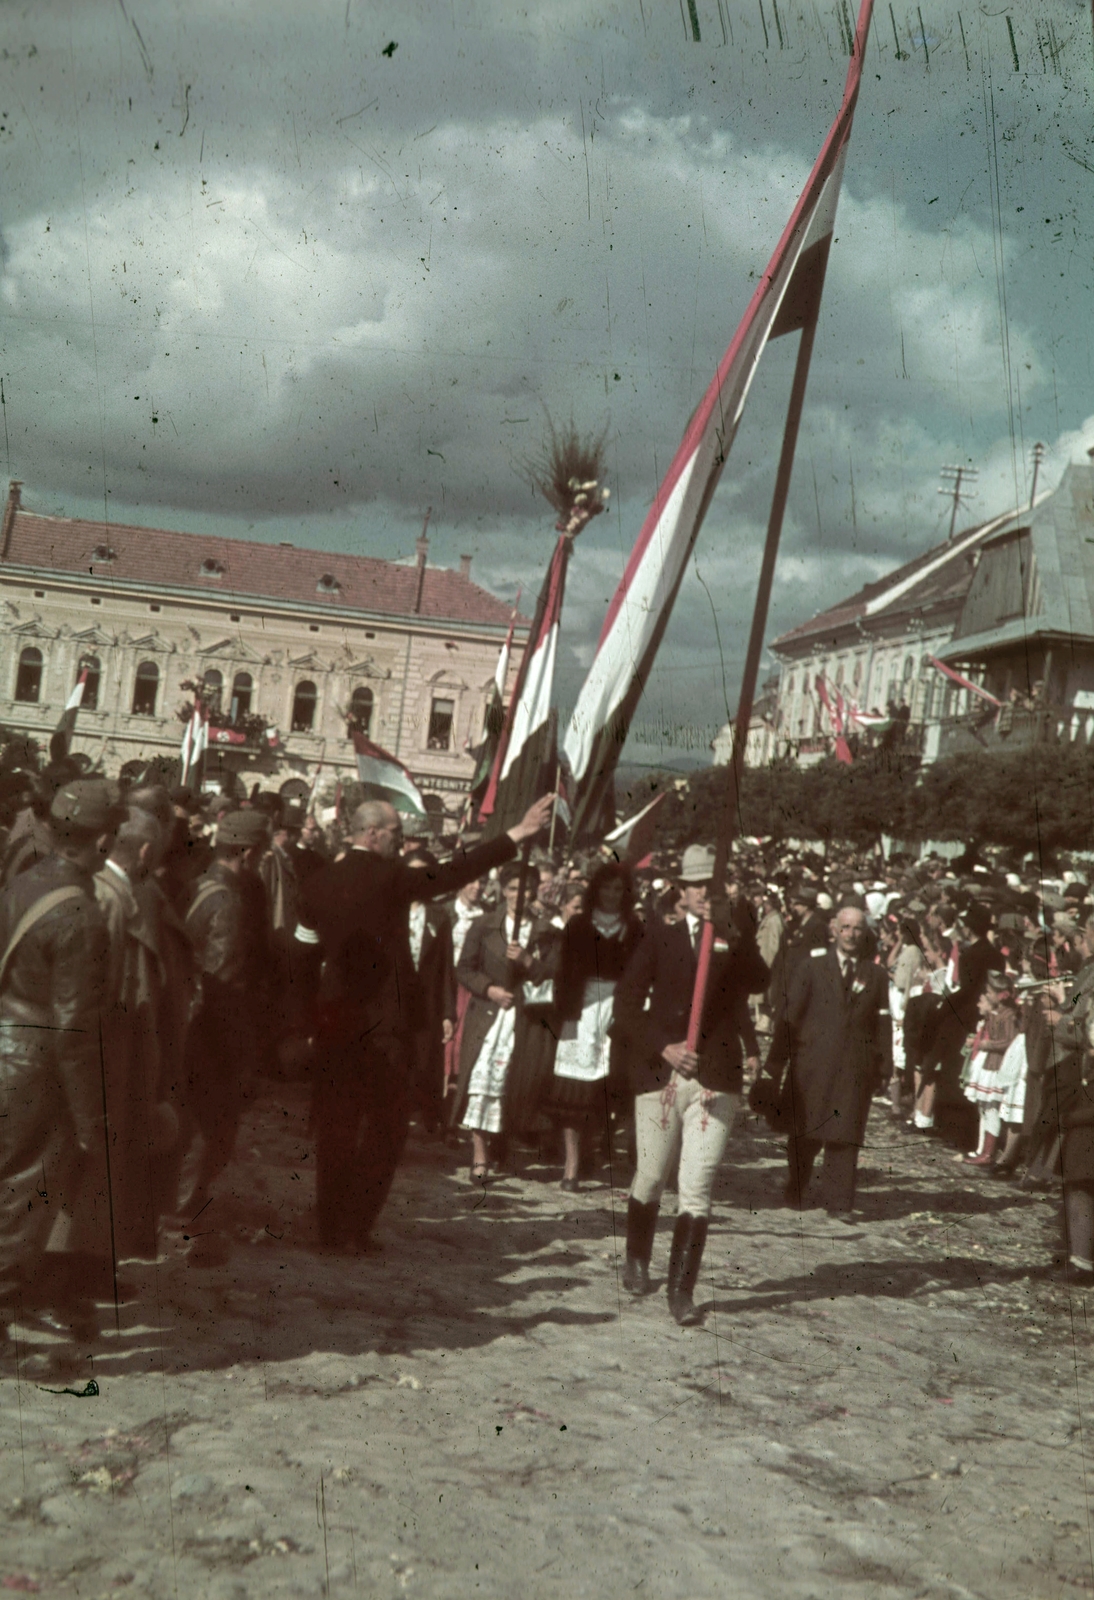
{"x":227,"y":924}
{"x":53,"y":962}
{"x":685,"y":1100}
{"x":358,"y":911}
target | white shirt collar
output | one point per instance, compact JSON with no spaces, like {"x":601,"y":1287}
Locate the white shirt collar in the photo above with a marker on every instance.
{"x":122,"y":874}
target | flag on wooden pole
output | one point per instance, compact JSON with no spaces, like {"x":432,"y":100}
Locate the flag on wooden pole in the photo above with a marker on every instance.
{"x":494,"y":719}
{"x":525,"y":760}
{"x":786,"y":298}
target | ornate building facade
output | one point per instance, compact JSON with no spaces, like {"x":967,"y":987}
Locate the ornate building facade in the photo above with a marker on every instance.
{"x":286,"y":641}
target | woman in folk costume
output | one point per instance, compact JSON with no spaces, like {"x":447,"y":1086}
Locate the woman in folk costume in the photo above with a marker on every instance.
{"x":529,"y":1078}
{"x":494,"y":963}
{"x":982,"y":1079}
{"x":596,"y":948}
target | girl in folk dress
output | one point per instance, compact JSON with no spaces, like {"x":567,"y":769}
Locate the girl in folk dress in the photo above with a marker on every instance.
{"x":596,"y":947}
{"x":493,"y":965}
{"x":982,"y":1079}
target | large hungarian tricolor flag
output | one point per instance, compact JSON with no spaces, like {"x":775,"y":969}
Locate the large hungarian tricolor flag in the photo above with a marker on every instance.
{"x":524,"y":766}
{"x":66,"y":726}
{"x":962,"y":682}
{"x":386,"y":775}
{"x":787,"y":298}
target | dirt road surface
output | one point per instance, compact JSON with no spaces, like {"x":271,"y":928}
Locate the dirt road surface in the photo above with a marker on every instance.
{"x":900,"y":1408}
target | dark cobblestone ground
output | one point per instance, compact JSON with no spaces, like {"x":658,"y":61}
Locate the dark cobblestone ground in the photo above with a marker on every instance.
{"x":899,"y":1408}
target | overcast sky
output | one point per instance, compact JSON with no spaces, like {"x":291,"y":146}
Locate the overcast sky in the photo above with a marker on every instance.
{"x":303,"y":270}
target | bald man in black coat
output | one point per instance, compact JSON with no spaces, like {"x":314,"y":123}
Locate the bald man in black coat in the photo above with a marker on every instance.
{"x":358,"y":909}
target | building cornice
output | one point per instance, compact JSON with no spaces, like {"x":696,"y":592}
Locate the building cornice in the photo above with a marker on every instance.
{"x":290,"y":610}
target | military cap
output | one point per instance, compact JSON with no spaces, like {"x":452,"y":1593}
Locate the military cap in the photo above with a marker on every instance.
{"x":91,"y":804}
{"x":243,"y":828}
{"x":1075,"y":891}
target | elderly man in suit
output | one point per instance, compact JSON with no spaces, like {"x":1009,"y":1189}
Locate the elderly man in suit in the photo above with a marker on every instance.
{"x":685,"y":1100}
{"x":832,"y":1050}
{"x":358,"y":909}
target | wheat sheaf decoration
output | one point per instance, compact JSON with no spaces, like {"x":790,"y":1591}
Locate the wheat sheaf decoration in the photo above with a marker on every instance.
{"x":567,"y":473}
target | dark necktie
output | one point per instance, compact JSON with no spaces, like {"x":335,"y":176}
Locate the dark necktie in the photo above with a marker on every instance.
{"x":695,"y":935}
{"x":848,"y":976}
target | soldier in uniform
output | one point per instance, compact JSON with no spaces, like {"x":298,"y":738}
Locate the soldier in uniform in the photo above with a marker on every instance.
{"x":227,"y":924}
{"x":53,"y":956}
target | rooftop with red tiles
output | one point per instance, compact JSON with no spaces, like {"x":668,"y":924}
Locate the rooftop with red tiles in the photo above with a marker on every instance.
{"x":243,"y":570}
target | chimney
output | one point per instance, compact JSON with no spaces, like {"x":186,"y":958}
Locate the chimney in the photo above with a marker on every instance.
{"x":465,"y":568}
{"x":15,"y":500}
{"x":421,"y":549}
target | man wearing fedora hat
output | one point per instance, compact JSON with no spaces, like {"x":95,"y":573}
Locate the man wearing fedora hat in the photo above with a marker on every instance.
{"x":685,"y":1100}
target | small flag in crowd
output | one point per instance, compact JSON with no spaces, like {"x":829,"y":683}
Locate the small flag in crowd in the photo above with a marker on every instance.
{"x":195,"y":741}
{"x":494,"y":720}
{"x":385,"y":773}
{"x":632,"y":840}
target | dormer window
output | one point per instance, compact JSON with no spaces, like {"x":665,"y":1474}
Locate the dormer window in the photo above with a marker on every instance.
{"x":212,"y":568}
{"x":102,"y":553}
{"x":328,"y":584}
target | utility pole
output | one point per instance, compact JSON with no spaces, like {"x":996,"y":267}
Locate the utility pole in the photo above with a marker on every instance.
{"x":954,"y":480}
{"x":1038,"y":457}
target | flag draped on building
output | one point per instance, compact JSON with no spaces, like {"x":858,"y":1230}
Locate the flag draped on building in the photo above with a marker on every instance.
{"x":964,"y":683}
{"x":787,"y":298}
{"x":195,"y":741}
{"x":832,"y":701}
{"x":66,"y":725}
{"x":384,"y":773}
{"x":525,"y":761}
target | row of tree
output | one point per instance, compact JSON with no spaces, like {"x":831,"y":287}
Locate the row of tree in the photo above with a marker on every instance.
{"x":1036,"y":799}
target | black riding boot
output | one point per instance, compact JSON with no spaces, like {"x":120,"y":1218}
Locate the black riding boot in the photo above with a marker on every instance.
{"x":641,"y":1226}
{"x":688,"y":1238}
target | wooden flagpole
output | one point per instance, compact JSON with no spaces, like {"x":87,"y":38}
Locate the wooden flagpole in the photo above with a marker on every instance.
{"x":730,"y":817}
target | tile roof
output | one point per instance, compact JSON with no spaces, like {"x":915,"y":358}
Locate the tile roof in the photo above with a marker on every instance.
{"x":157,"y":559}
{"x":940,"y":574}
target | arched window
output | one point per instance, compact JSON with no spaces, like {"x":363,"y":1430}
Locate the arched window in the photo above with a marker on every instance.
{"x":212,"y":683}
{"x":28,"y":679}
{"x":303,"y":707}
{"x":93,"y":668}
{"x":360,"y":709}
{"x":145,"y":689}
{"x":242,"y":688}
{"x":442,"y":714}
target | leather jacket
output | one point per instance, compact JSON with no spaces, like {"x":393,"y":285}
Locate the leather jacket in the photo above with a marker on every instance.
{"x":54,"y":987}
{"x":229,"y":931}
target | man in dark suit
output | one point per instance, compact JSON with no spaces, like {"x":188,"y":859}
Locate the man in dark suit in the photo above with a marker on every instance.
{"x":434,"y":1007}
{"x":358,"y":909}
{"x":685,"y":1100}
{"x":832,"y":1050}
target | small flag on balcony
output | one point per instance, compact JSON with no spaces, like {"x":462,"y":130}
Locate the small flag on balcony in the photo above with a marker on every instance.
{"x":383,"y":772}
{"x":66,"y":726}
{"x":195,"y":741}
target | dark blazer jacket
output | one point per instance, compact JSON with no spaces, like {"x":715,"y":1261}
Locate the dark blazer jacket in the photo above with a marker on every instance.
{"x":359,"y":908}
{"x":662,"y":971}
{"x":483,"y":965}
{"x":832,"y":1048}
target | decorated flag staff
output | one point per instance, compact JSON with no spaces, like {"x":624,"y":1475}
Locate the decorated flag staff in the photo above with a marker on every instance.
{"x":567,"y":474}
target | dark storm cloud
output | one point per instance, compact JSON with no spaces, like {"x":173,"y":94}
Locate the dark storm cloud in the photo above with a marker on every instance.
{"x":261,"y":275}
